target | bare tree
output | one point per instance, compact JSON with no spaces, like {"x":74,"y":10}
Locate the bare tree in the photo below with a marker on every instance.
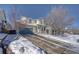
{"x":59,"y":19}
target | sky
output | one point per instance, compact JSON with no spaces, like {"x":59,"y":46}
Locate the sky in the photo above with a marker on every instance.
{"x":36,"y":11}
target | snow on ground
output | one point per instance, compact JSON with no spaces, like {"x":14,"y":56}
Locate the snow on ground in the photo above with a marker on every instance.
{"x":23,"y":46}
{"x":67,"y":38}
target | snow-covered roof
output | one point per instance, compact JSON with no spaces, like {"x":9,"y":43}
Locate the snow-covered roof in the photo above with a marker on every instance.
{"x":9,"y":39}
{"x":2,"y":36}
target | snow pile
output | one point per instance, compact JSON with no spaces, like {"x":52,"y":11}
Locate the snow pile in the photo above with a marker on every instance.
{"x":23,"y":46}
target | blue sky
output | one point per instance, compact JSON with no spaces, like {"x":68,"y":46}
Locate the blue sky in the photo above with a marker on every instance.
{"x":41,"y":10}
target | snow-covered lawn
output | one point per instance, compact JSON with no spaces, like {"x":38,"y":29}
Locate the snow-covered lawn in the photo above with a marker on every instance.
{"x":23,"y":46}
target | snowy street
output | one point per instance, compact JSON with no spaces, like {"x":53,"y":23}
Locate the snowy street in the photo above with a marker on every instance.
{"x":52,"y":45}
{"x":70,"y":40}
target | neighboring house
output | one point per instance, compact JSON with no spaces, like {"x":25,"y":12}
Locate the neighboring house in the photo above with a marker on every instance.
{"x":36,"y":25}
{"x":40,"y":26}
